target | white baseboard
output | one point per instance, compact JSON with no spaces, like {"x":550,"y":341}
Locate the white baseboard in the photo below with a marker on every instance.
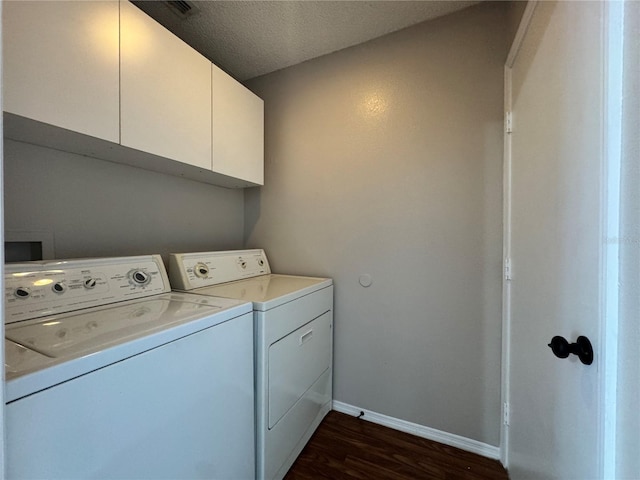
{"x":439,"y":436}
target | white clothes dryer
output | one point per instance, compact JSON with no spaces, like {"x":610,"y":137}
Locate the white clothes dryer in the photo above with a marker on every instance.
{"x":293,"y":349}
{"x":111,"y":375}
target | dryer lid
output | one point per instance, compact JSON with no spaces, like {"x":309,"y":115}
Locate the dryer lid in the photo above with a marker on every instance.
{"x":267,"y":291}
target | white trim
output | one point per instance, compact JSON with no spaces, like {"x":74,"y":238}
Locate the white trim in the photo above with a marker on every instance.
{"x":518,"y":40}
{"x":521,"y":32}
{"x":429,"y":433}
{"x":506,"y":284}
{"x":613,"y":41}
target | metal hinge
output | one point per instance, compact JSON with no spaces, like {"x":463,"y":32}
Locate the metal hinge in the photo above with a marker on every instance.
{"x":505,"y":413}
{"x":508,"y":122}
{"x":507,"y":268}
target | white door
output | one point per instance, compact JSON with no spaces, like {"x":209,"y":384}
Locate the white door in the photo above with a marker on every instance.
{"x":555,"y":220}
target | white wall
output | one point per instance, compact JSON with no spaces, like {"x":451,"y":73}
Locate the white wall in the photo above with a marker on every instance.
{"x":386,"y":159}
{"x":98,"y":208}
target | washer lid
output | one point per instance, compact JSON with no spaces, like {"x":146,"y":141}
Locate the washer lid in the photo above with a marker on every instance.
{"x":84,"y":332}
{"x":62,"y":347}
{"x":266,"y":291}
{"x":18,"y":358}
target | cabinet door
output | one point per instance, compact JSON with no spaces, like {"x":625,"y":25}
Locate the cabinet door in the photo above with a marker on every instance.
{"x":165,"y":92}
{"x":238,"y":129}
{"x":60,"y":64}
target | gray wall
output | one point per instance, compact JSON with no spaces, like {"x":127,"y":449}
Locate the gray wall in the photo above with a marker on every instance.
{"x":98,"y":208}
{"x":386,"y":159}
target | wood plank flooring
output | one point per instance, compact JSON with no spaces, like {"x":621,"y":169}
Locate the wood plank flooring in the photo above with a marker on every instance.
{"x":350,"y":448}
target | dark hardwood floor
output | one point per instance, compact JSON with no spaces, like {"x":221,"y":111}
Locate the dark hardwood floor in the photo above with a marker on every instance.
{"x":346,"y":447}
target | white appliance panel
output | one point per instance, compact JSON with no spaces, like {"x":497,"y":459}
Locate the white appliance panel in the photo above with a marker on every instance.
{"x":295,"y":363}
{"x":201,"y":269}
{"x":282,"y":444}
{"x":279,"y":445}
{"x":38,"y":289}
{"x":274,"y":324}
{"x":150,"y":416}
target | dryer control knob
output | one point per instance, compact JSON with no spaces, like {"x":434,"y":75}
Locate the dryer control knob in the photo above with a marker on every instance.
{"x":201,"y":270}
{"x":89,"y":283}
{"x":22,"y":292}
{"x":59,"y":287}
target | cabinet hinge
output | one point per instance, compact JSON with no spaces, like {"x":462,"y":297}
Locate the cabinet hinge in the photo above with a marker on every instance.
{"x":505,"y":413}
{"x":508,"y":122}
{"x":507,"y":268}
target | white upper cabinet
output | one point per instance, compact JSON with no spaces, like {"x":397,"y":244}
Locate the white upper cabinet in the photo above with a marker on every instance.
{"x":238,"y":130}
{"x":103,"y":79}
{"x":165,"y":92}
{"x":60,"y":64}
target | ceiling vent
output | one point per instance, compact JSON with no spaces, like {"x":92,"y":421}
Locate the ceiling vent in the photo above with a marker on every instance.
{"x":182,"y":8}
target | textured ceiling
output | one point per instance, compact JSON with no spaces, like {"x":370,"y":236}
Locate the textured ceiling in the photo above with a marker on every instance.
{"x":251,"y":38}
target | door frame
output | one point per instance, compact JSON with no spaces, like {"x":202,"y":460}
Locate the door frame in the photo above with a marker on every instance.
{"x":606,"y":351}
{"x":506,"y":223}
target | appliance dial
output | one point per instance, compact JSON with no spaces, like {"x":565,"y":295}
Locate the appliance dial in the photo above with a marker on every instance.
{"x":22,"y":292}
{"x":89,"y":283}
{"x":140,"y":277}
{"x":201,"y":270}
{"x":59,"y":287}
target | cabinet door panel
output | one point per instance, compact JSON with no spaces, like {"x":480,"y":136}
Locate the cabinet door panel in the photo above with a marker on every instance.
{"x":238,"y":129}
{"x":165,"y":92}
{"x":61,"y":64}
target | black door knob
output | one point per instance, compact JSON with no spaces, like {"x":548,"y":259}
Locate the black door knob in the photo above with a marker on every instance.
{"x":582,"y":348}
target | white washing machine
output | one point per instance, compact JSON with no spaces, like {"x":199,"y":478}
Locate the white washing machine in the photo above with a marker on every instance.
{"x":294,"y":345}
{"x":111,"y":375}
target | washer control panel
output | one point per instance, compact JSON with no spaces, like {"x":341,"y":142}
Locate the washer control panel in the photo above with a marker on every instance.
{"x":37,"y":289}
{"x":194,"y":270}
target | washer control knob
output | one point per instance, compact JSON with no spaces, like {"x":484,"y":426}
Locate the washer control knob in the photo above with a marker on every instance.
{"x":201,"y":270}
{"x":139,"y":277}
{"x":261,"y":262}
{"x":22,"y":292}
{"x":243,"y":264}
{"x":59,"y":287}
{"x":89,"y":283}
